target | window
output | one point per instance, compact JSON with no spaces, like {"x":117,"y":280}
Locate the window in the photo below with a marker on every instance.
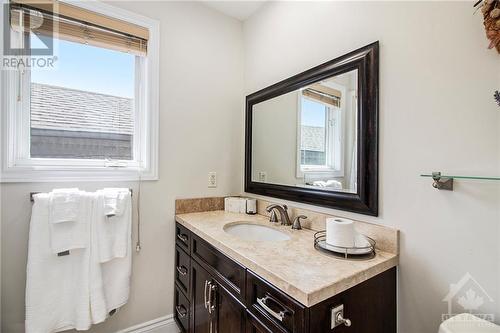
{"x":93,"y":114}
{"x":319,"y":133}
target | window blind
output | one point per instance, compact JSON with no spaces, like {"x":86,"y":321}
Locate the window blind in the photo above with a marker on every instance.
{"x":71,"y":23}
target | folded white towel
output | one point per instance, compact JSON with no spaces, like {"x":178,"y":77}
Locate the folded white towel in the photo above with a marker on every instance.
{"x":113,"y":232}
{"x":57,"y":287}
{"x":115,"y":201}
{"x":69,"y":220}
{"x":64,"y":205}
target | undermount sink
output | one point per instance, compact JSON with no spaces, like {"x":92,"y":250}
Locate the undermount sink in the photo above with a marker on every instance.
{"x":255,"y":232}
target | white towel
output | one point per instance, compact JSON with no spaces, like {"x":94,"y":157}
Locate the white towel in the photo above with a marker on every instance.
{"x":64,"y":205}
{"x":116,"y":276}
{"x":69,"y":220}
{"x":115,"y":250}
{"x":113,"y":232}
{"x":115,"y":201}
{"x":57,"y":287}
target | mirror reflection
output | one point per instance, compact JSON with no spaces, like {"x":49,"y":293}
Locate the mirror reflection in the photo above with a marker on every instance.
{"x":307,"y":137}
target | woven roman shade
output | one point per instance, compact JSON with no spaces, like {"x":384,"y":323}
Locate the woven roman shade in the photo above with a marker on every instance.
{"x":67,"y":22}
{"x":323,"y":94}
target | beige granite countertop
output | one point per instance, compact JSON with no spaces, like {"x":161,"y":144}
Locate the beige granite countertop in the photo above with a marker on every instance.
{"x":294,"y":266}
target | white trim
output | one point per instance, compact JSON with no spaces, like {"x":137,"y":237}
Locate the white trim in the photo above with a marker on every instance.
{"x":165,"y":323}
{"x":14,"y":168}
{"x":329,"y":170}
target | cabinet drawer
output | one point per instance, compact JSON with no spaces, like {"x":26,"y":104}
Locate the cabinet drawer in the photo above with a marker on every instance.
{"x":226,"y":271}
{"x":183,"y":237}
{"x":181,"y":310}
{"x":273,"y":307}
{"x":254,"y":325}
{"x":182,"y":270}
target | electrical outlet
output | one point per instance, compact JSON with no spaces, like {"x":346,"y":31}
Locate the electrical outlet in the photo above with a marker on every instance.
{"x":262,"y":176}
{"x":212,"y":179}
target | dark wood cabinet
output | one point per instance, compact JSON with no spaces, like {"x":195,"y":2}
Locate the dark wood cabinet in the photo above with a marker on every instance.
{"x":231,"y":314}
{"x":202,"y":319}
{"x":218,"y":295}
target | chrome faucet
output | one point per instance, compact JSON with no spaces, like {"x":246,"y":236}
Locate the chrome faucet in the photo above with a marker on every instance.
{"x":283,"y":211}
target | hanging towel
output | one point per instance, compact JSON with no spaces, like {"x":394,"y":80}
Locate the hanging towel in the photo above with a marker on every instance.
{"x":115,"y":252}
{"x":113,"y":232}
{"x":69,"y":220}
{"x":98,"y":308}
{"x":57,"y":287}
{"x":116,"y":275}
{"x":115,"y":201}
{"x":64,"y":205}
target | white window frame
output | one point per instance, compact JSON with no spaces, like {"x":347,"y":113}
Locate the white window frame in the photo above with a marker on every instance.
{"x":334,"y":164}
{"x":17,"y":166}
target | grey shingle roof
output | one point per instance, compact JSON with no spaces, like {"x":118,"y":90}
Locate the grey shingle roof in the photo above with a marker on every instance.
{"x":312,"y":138}
{"x":58,"y":108}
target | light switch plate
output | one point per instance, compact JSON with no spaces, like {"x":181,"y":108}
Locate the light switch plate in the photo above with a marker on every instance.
{"x":212,"y":179}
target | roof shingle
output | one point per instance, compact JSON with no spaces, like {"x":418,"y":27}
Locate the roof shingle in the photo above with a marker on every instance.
{"x":58,"y":108}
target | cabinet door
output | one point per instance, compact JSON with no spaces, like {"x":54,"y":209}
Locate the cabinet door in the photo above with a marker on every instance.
{"x":230,"y":312}
{"x":202,"y":321}
{"x":370,"y":306}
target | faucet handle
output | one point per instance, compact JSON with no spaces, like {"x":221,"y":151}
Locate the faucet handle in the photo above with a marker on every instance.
{"x":272,"y":217}
{"x":296,"y":222}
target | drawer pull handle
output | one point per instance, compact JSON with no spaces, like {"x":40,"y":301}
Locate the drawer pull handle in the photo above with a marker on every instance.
{"x":205,"y":296}
{"x":278,"y":315}
{"x":211,"y":290}
{"x":182,"y":270}
{"x":181,"y":311}
{"x":183,"y":238}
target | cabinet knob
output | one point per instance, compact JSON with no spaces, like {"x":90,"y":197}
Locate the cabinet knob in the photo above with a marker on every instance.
{"x":341,"y":320}
{"x":338,"y":317}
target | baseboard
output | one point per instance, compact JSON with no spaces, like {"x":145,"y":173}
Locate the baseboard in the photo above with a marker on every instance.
{"x":164,"y":324}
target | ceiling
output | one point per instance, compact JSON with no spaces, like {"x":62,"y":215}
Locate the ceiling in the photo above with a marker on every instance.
{"x":240,"y":10}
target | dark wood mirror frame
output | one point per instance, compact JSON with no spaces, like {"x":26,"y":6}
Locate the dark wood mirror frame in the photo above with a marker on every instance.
{"x":365,"y":201}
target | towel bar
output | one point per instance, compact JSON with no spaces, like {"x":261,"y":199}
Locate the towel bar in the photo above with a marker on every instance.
{"x":33,"y":193}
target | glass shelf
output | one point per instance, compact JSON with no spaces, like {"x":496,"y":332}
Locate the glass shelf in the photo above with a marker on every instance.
{"x":445,"y":182}
{"x":463,"y":177}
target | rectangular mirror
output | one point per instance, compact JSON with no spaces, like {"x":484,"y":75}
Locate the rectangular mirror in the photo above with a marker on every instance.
{"x":313,"y":137}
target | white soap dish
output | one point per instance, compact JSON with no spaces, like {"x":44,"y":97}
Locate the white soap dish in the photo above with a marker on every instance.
{"x":364,"y":247}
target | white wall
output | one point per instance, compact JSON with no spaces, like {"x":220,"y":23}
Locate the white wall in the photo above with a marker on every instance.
{"x":436,"y":113}
{"x":201,"y":84}
{"x":274,"y":132}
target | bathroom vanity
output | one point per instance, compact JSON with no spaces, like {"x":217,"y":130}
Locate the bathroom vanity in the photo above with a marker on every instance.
{"x":227,"y":284}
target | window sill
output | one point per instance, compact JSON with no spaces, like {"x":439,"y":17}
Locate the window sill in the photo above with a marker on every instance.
{"x":24,"y":175}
